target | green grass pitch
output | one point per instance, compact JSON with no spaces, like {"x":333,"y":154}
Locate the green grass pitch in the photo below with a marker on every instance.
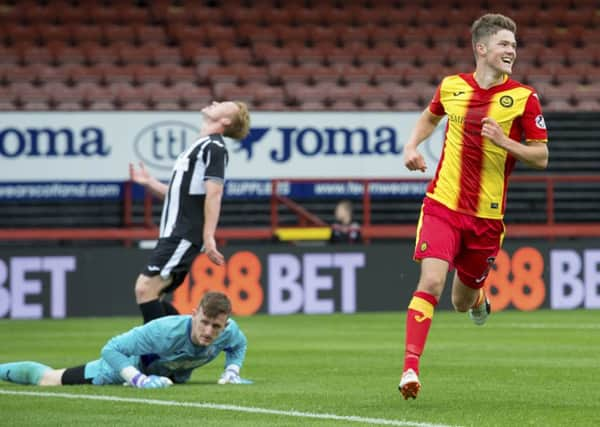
{"x":521,"y":369}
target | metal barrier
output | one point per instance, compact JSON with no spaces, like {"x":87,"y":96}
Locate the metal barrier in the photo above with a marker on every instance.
{"x":148,"y":230}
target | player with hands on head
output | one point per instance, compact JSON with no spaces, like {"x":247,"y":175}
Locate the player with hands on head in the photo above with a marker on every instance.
{"x":191,"y":207}
{"x":493,"y":121}
{"x":155,"y":355}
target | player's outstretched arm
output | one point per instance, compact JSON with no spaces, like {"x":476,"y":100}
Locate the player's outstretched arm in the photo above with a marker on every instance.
{"x":142,"y":176}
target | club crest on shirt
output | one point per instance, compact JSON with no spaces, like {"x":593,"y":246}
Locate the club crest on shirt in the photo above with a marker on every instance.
{"x":540,"y":122}
{"x":507,"y":101}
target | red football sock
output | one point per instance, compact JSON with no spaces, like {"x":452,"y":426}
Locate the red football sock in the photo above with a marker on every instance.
{"x":418,"y":321}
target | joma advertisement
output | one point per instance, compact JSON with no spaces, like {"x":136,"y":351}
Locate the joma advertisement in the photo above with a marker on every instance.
{"x":47,"y":147}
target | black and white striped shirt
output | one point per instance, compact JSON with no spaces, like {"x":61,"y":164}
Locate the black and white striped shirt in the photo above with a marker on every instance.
{"x":183,"y":209}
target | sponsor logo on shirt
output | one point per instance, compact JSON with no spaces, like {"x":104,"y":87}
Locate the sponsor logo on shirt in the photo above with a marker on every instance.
{"x":507,"y":101}
{"x":540,"y":122}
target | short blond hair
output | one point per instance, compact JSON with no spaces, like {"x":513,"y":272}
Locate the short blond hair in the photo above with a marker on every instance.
{"x":240,"y":123}
{"x":489,"y":24}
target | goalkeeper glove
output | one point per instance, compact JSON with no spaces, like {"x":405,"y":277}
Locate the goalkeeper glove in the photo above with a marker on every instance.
{"x":231,"y":375}
{"x":150,"y":381}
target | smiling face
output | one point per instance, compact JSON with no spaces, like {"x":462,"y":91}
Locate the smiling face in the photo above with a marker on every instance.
{"x":206,"y":329}
{"x":498,"y":52}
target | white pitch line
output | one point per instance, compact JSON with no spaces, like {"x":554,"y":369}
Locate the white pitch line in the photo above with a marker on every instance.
{"x":250,"y":409}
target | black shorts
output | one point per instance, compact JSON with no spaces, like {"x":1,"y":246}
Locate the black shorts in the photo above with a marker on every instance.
{"x":172,"y":257}
{"x":74,"y":376}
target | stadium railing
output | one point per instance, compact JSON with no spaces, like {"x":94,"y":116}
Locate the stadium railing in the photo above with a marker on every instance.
{"x":147,"y":230}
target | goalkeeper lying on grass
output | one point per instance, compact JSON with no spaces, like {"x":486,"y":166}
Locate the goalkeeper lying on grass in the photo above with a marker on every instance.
{"x":155,"y":355}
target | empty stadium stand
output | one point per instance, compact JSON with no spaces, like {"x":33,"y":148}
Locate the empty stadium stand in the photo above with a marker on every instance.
{"x":44,"y":41}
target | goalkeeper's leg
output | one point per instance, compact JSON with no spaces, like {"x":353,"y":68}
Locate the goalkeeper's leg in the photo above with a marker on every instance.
{"x":25,"y":372}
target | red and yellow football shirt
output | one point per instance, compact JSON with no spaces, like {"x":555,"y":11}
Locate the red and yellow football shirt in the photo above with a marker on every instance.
{"x":472,"y":174}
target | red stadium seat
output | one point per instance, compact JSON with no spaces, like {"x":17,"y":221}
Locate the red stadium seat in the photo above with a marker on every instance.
{"x":338,"y":56}
{"x":252,"y":34}
{"x":326,"y":74}
{"x":65,"y":54}
{"x":384,"y":74}
{"x":145,"y":33}
{"x":278,"y":16}
{"x":287,"y":73}
{"x":162,"y":54}
{"x":50,"y":33}
{"x":363,"y":74}
{"x":318,"y":34}
{"x":348,"y":35}
{"x":37,"y":13}
{"x":74,"y":15}
{"x":145,"y":74}
{"x":33,"y":54}
{"x":101,"y":15}
{"x":30,"y":74}
{"x":201,"y":56}
{"x":165,"y":74}
{"x":132,"y":15}
{"x":253,"y":73}
{"x":98,"y":98}
{"x":82,"y":33}
{"x":63,"y":97}
{"x":302,"y":94}
{"x":587,"y":92}
{"x":269,"y":54}
{"x":96,"y":53}
{"x":30,"y":97}
{"x":113,"y":74}
{"x":185,"y":34}
{"x":373,"y":16}
{"x":237,"y":56}
{"x":200,"y":15}
{"x":113,"y":33}
{"x":161,"y":97}
{"x":245,"y":93}
{"x":316,"y":55}
{"x":266,"y":95}
{"x":241,"y":16}
{"x":77,"y":74}
{"x":223,"y":74}
{"x":130,"y":54}
{"x":237,"y":74}
{"x":560,"y":105}
{"x":8,"y":100}
{"x":590,"y":105}
{"x":407,"y":56}
{"x":128,"y":97}
{"x":309,"y":16}
{"x":217,"y":34}
{"x":387,"y":36}
{"x":193,"y":97}
{"x":366,"y":55}
{"x":291,"y":35}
